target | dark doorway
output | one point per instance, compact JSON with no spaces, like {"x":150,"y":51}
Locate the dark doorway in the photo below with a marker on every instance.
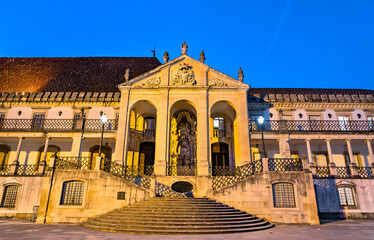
{"x":220,"y":157}
{"x":147,"y":157}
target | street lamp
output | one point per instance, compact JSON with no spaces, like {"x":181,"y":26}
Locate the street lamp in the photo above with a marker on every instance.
{"x":104,"y":119}
{"x":261,"y":122}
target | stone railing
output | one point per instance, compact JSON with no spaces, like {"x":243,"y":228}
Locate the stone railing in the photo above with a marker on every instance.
{"x":332,"y":171}
{"x":56,"y":125}
{"x":313,"y":126}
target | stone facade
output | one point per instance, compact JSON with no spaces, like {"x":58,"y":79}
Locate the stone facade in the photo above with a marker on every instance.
{"x":185,"y":129}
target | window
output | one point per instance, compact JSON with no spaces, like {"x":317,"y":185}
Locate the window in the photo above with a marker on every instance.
{"x":219,"y":123}
{"x":320,"y":159}
{"x":149,"y":123}
{"x":79,"y":116}
{"x":344,"y":123}
{"x":346,"y":196}
{"x":10,"y":196}
{"x":72,"y":193}
{"x":356,"y":159}
{"x":371,"y":122}
{"x":38,"y":120}
{"x":283,"y":195}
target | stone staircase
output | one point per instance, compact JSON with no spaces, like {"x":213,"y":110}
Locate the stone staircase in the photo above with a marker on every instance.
{"x":177,"y":216}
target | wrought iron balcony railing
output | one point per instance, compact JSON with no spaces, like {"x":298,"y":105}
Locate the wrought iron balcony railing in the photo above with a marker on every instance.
{"x":285,"y":164}
{"x":313,"y":126}
{"x":147,"y":133}
{"x":56,"y":125}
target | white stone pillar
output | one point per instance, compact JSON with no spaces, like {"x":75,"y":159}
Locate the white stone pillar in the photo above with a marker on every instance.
{"x":309,"y":151}
{"x":243,"y":132}
{"x":45,"y":149}
{"x":120,"y":153}
{"x":328,"y":143}
{"x":162,"y":134}
{"x":202,"y":135}
{"x":350,"y":153}
{"x":284,"y":147}
{"x":370,"y":150}
{"x":20,"y":139}
{"x":76,"y":145}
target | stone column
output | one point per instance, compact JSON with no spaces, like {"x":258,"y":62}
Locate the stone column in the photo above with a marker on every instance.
{"x":203,"y":134}
{"x":329,"y":151}
{"x":309,"y":151}
{"x":350,"y":153}
{"x":20,"y":139}
{"x":162,"y":134}
{"x":45,"y":149}
{"x":76,"y":145}
{"x":284,"y":147}
{"x":243,"y":132}
{"x":120,"y":153}
{"x":370,"y":150}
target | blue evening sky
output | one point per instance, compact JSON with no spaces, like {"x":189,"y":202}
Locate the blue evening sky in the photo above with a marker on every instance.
{"x":279,"y":43}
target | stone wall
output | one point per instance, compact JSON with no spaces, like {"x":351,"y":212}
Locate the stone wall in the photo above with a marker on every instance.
{"x":28,"y":195}
{"x":254,"y":195}
{"x":100,"y":196}
{"x":328,"y":201}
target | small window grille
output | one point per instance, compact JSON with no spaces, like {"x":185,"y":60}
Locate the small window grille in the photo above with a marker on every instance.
{"x":346,"y":196}
{"x":283,"y":195}
{"x":72,"y":193}
{"x":10,"y":196}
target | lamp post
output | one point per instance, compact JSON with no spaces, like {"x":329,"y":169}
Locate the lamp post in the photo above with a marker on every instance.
{"x":261,"y":122}
{"x":104,"y":119}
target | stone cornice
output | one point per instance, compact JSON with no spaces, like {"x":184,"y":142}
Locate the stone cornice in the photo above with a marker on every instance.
{"x":313,"y":105}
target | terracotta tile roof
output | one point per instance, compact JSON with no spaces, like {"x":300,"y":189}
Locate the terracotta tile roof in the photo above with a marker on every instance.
{"x":310,"y":95}
{"x":305,"y":91}
{"x":70,"y":74}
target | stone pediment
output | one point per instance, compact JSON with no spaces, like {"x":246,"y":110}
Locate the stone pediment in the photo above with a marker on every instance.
{"x":184,"y":71}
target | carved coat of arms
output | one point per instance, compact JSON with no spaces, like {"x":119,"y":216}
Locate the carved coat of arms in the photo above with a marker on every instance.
{"x":184,"y":76}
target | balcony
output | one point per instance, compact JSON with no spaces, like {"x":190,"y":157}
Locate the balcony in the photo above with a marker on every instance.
{"x":219,"y":133}
{"x":146,"y":135}
{"x":56,"y":125}
{"x":307,"y":126}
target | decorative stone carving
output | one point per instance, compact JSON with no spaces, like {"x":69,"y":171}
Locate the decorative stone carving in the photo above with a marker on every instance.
{"x":241,"y":75}
{"x":184,"y":76}
{"x":127,"y":74}
{"x":216,"y":82}
{"x":153,"y":82}
{"x":202,"y":56}
{"x":184,"y":48}
{"x":166,"y":57}
{"x":183,"y":140}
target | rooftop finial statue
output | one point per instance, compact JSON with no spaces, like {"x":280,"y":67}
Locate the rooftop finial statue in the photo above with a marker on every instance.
{"x":202,"y":56}
{"x":241,"y":75}
{"x":184,"y":48}
{"x":166,"y":57}
{"x":127,"y":74}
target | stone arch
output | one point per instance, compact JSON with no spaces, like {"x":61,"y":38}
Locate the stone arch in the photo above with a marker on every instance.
{"x":223,"y":130}
{"x":142,"y":128}
{"x":182,"y":141}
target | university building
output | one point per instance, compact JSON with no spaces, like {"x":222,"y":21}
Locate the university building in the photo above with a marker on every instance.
{"x":87,"y":137}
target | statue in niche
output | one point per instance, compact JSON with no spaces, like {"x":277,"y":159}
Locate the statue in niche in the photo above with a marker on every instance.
{"x":174,"y":136}
{"x":182,"y":140}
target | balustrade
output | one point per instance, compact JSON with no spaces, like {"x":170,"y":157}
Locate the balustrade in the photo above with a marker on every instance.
{"x":313,"y":126}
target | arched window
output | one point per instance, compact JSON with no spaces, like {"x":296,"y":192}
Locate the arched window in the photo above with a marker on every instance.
{"x":283,"y":195}
{"x":72,"y":193}
{"x":10,"y":196}
{"x":346,"y":196}
{"x":52,"y":149}
{"x":4,"y":156}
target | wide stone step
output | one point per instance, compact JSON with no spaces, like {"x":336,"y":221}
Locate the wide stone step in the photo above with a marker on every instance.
{"x":125,"y":229}
{"x":179,"y":227}
{"x":176,"y":219}
{"x":177,"y":216}
{"x":161,"y":222}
